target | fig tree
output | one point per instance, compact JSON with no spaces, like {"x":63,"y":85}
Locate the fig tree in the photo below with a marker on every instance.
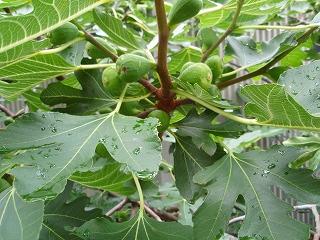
{"x":198,"y":73}
{"x":63,"y":34}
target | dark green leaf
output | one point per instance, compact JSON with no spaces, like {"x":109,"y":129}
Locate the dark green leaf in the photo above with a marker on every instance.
{"x":139,"y":227}
{"x":59,"y":215}
{"x":250,"y":175}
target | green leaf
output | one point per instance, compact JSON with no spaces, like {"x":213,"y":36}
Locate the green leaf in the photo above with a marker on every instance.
{"x":178,"y":59}
{"x":200,"y":126}
{"x":31,"y":71}
{"x":188,"y":160}
{"x":28,"y":27}
{"x":303,"y":85}
{"x":245,"y":50}
{"x":58,"y":144}
{"x":87,"y":100}
{"x":109,"y":178}
{"x":250,"y":175}
{"x":216,"y":13}
{"x":19,"y":219}
{"x":13,"y":3}
{"x":33,"y":101}
{"x":114,"y":29}
{"x":139,"y":227}
{"x":60,"y":214}
{"x":272,"y":105}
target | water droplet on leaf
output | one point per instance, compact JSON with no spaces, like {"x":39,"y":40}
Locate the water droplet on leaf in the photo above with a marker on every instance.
{"x":271,"y":166}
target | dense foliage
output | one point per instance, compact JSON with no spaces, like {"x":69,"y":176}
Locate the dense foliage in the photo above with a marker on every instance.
{"x":131,"y":76}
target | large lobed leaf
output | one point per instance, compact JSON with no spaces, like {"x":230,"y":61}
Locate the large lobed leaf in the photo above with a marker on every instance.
{"x":56,"y":145}
{"x":15,"y":30}
{"x":19,"y":219}
{"x":250,"y":175}
{"x":139,"y":227}
{"x":272,"y":105}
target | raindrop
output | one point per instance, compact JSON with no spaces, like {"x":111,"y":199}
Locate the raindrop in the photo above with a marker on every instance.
{"x":43,"y":116}
{"x":271,"y":166}
{"x":317,"y":68}
{"x":255,"y":173}
{"x":46,"y":221}
{"x":137,"y":150}
{"x":46,"y":156}
{"x":316,"y":83}
{"x":146,"y":175}
{"x":43,"y":128}
{"x":4,"y":147}
{"x":57,"y":149}
{"x":124,"y":129}
{"x":286,"y":172}
{"x":281,"y":152}
{"x":52,"y":165}
{"x":310,"y":92}
{"x":294,"y":92}
{"x":69,"y":134}
{"x":102,"y":140}
{"x":54,"y":130}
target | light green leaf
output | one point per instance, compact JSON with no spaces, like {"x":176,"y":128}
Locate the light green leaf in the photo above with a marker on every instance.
{"x":58,"y":144}
{"x":250,"y":175}
{"x":139,"y":227}
{"x":13,"y":3}
{"x":188,"y":54}
{"x":244,"y":49}
{"x":109,"y":178}
{"x":19,"y":219}
{"x":303,"y":85}
{"x":29,"y":72}
{"x":15,"y":30}
{"x":114,"y":29}
{"x":216,"y":13}
{"x":272,"y":105}
{"x":60,"y":214}
{"x":33,"y":101}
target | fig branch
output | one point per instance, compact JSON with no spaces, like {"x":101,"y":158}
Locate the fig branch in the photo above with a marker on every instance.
{"x":231,"y":28}
{"x":265,"y":68}
{"x":162,"y":67}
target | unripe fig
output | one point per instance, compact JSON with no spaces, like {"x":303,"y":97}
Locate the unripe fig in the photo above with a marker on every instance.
{"x":206,"y":37}
{"x":8,"y":121}
{"x":112,"y":82}
{"x":95,"y":52}
{"x":130,"y":108}
{"x":163,"y":118}
{"x":186,"y":65}
{"x":183,"y":10}
{"x":63,"y":34}
{"x":216,"y":65}
{"x":140,"y":53}
{"x":198,"y":73}
{"x":132,"y":67}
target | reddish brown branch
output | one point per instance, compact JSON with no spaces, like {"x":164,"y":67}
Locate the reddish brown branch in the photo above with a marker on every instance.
{"x":6,"y":111}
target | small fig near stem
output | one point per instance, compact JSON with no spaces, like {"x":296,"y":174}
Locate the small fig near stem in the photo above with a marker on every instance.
{"x":215,"y":63}
{"x":198,"y":73}
{"x":111,"y":81}
{"x":95,"y":52}
{"x":206,"y":37}
{"x":63,"y":34}
{"x":163,"y":118}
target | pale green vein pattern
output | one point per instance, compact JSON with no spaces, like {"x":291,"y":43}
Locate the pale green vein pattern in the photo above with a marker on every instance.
{"x":213,"y":15}
{"x":272,"y":106}
{"x":19,"y":220}
{"x":60,"y":144}
{"x":46,"y":16}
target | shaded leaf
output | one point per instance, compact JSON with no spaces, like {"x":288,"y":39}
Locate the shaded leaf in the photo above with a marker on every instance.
{"x":250,"y":175}
{"x":59,"y":215}
{"x":87,"y":100}
{"x":33,"y":101}
{"x":139,"y":227}
{"x":19,"y":219}
{"x":303,"y":85}
{"x":273,"y":106}
{"x":59,"y":144}
{"x":114,"y":29}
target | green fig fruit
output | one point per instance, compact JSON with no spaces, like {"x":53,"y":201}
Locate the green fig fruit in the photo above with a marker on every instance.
{"x":163,"y":117}
{"x":206,"y":37}
{"x":140,"y":53}
{"x":186,"y":65}
{"x":183,"y":10}
{"x":132,"y":67}
{"x":111,"y":81}
{"x":63,"y":34}
{"x":130,"y":108}
{"x":95,"y":52}
{"x":215,"y":63}
{"x":198,"y":73}
{"x":8,"y":121}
